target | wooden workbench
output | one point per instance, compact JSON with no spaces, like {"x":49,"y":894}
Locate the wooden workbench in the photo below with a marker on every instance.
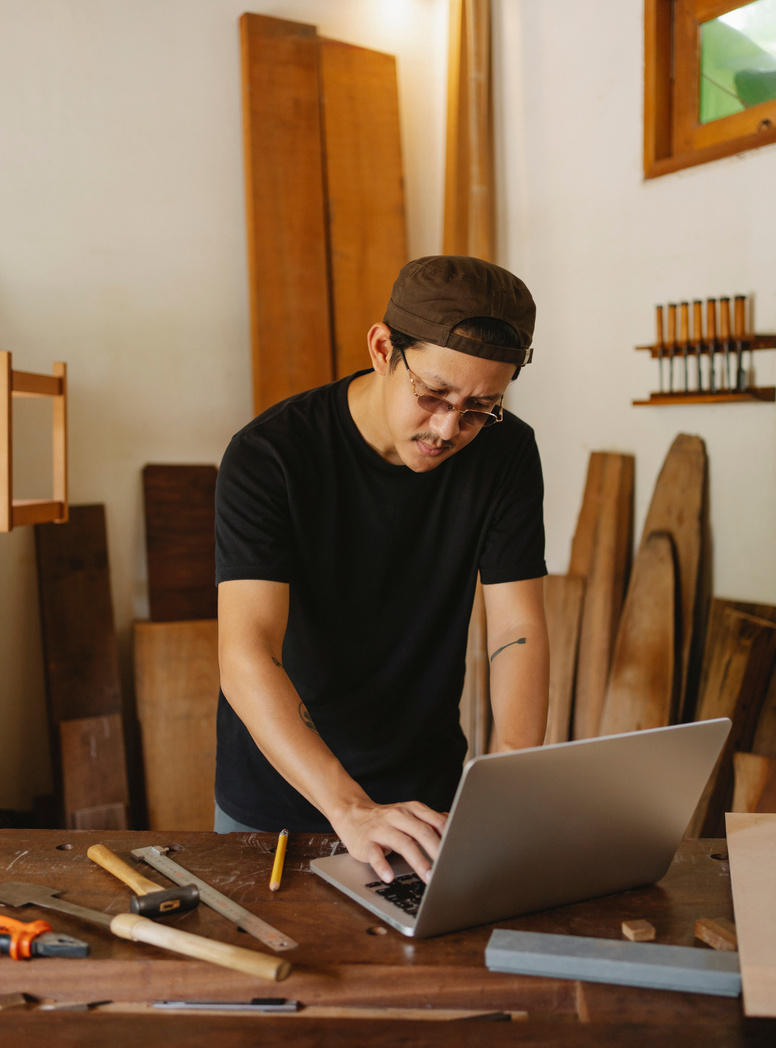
{"x":349,"y":969}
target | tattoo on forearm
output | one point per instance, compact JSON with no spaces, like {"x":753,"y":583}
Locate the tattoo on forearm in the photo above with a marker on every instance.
{"x":304,"y":713}
{"x":276,"y":661}
{"x":495,"y":653}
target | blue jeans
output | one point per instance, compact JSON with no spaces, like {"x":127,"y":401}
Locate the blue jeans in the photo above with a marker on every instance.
{"x":224,"y":823}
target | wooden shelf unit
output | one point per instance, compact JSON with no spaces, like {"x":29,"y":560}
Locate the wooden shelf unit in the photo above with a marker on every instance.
{"x":760,"y":394}
{"x":18,"y":512}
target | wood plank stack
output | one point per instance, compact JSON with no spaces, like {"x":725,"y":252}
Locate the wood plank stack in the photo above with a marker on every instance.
{"x":176,"y":653}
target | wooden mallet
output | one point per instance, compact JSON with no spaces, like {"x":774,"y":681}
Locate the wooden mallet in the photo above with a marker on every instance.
{"x":150,"y":900}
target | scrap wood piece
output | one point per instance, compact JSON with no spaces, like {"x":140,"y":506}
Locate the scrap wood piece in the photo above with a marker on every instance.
{"x":94,"y":775}
{"x":679,"y":507}
{"x":179,"y":504}
{"x":176,"y":681}
{"x":563,"y":596}
{"x":601,"y":554}
{"x":755,"y":783}
{"x":751,"y":840}
{"x":641,"y":692}
{"x":718,"y":932}
{"x":79,"y":639}
{"x":638,"y":931}
{"x":652,"y":965}
{"x":740,"y":669}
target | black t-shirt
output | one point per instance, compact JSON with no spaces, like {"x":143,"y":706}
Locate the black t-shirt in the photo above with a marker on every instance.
{"x":382,"y":565}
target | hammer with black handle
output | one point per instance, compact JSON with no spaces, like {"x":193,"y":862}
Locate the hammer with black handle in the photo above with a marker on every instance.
{"x":150,"y":900}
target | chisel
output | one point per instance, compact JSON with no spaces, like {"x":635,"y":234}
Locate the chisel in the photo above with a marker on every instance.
{"x":711,"y":339}
{"x":671,"y":344}
{"x":660,"y":346}
{"x":684,"y":339}
{"x":739,"y":328}
{"x":697,"y":329}
{"x":724,"y":334}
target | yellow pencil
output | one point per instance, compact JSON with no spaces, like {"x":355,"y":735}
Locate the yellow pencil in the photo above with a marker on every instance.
{"x":277,"y":866}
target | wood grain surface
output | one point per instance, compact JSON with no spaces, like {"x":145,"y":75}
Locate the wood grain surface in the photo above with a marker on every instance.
{"x":679,"y":507}
{"x":601,"y":553}
{"x":179,"y":504}
{"x":563,"y":597}
{"x":176,"y":683}
{"x":641,"y":692}
{"x":364,"y":192}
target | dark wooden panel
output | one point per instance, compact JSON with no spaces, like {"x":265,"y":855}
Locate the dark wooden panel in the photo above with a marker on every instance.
{"x":94,"y":775}
{"x":79,"y":640}
{"x":288,"y":266}
{"x":180,"y":541}
{"x":365,"y":191}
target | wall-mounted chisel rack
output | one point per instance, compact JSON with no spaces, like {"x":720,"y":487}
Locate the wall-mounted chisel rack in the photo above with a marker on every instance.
{"x":707,"y":368}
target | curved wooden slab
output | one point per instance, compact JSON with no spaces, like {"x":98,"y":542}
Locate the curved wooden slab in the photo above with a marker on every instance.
{"x":641,"y":689}
{"x":601,"y":554}
{"x":678,"y":507}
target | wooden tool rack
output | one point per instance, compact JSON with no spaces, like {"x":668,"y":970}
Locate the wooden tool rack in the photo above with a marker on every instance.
{"x":16,"y":512}
{"x":723,"y":396}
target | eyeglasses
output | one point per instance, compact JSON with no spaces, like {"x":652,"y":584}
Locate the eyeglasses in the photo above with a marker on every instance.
{"x":438,"y":406}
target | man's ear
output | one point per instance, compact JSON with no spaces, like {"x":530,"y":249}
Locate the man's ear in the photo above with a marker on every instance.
{"x":380,"y":347}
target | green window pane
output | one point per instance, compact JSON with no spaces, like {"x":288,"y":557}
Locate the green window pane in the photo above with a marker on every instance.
{"x":738,"y":60}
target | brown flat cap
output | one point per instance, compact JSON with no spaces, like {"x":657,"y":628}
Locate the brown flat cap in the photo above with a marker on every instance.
{"x":432,"y":295}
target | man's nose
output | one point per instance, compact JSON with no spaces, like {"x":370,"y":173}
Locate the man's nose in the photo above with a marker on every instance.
{"x":447,"y":425}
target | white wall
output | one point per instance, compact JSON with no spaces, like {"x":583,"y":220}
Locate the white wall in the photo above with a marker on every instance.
{"x":600,"y":247}
{"x":123,"y":253}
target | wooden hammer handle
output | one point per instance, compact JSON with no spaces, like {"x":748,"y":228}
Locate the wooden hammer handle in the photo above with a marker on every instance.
{"x":252,"y":962}
{"x":113,"y":864}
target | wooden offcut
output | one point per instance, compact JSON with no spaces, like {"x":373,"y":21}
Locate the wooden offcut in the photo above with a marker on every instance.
{"x":364,"y":192}
{"x":741,"y":664}
{"x":601,"y":554}
{"x":751,"y":843}
{"x":94,"y":774}
{"x":679,"y":508}
{"x":79,"y":639}
{"x":177,"y":680}
{"x":641,"y":691}
{"x":563,"y":596}
{"x":180,"y":541}
{"x":638,"y":931}
{"x":287,"y":244}
{"x":717,"y":932}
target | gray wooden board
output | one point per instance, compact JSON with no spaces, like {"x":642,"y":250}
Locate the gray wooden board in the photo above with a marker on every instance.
{"x":651,"y":965}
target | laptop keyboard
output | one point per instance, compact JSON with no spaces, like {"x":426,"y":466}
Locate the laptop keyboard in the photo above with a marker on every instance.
{"x":405,"y":892}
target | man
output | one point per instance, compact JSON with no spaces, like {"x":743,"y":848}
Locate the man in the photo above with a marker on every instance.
{"x":352,"y":521}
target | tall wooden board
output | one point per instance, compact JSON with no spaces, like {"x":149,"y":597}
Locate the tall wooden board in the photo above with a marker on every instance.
{"x":641,"y":692}
{"x":679,"y":507}
{"x":740,"y":668}
{"x":365,"y":192}
{"x":751,"y":841}
{"x":176,"y":678}
{"x":563,"y":597}
{"x":601,"y":554}
{"x":288,"y":265}
{"x":180,"y":541}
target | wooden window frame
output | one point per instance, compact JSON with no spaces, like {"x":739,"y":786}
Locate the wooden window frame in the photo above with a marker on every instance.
{"x":673,"y":138}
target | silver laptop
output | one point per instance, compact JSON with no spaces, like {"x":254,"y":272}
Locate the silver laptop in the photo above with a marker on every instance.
{"x":548,"y":826}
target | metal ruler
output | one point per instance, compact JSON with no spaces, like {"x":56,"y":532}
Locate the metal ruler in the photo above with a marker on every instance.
{"x":216,"y":900}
